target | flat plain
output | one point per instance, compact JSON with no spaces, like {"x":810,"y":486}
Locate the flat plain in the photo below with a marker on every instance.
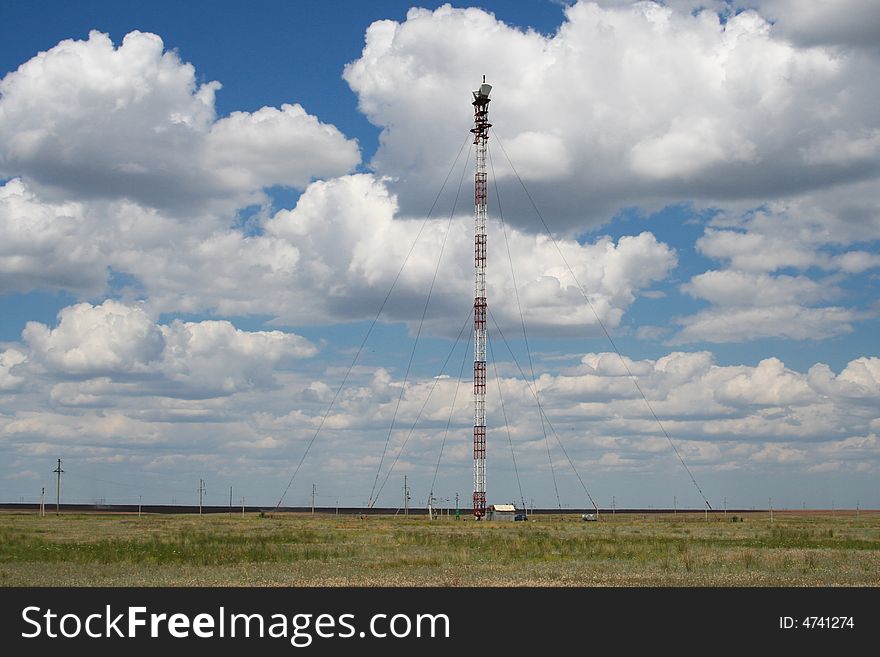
{"x":800,"y":548}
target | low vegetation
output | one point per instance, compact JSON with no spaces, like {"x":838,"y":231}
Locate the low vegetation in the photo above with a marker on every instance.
{"x":797,"y":549}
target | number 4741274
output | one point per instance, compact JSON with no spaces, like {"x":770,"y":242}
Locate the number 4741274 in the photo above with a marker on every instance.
{"x":828,"y":622}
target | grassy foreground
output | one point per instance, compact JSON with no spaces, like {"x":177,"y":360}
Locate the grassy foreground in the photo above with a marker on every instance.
{"x":798,"y":549}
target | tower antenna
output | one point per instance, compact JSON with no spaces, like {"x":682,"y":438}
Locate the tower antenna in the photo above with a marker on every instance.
{"x":481,"y":138}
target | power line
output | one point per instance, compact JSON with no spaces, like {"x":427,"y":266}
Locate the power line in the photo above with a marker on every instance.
{"x":59,"y":472}
{"x":533,"y":390}
{"x":419,"y":331}
{"x":421,"y":410}
{"x":464,"y":358}
{"x":602,"y":325}
{"x":523,"y":323}
{"x":371,"y":327}
{"x":507,"y":424}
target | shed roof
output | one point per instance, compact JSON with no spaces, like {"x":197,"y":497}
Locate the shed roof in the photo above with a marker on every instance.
{"x":507,"y":508}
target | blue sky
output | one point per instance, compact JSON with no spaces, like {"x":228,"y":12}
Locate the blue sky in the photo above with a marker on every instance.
{"x":203,"y":206}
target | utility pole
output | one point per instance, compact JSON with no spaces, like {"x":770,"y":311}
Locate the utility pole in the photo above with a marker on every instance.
{"x":230,"y":500}
{"x":405,"y":497}
{"x":481,"y":196}
{"x":674,"y":504}
{"x":337,"y":506}
{"x":59,"y":472}
{"x":613,"y":507}
{"x":202,"y":490}
{"x":140,"y":499}
{"x":857,"y":509}
{"x":43,"y":502}
{"x":242,"y":507}
{"x":313,"y":499}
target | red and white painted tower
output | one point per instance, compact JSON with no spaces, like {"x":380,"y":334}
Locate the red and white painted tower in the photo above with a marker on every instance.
{"x":481,"y":138}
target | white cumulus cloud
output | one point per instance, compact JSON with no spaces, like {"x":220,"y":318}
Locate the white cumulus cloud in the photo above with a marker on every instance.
{"x":118,"y":348}
{"x":625,"y":104}
{"x":335,"y":255}
{"x":46,"y":245}
{"x":92,"y":120}
{"x":92,"y":340}
{"x":782,"y":321}
{"x":9,"y":358}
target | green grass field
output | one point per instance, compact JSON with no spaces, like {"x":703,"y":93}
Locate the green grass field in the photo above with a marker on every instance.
{"x":798,"y":549}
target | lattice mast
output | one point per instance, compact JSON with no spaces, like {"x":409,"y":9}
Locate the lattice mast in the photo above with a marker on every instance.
{"x":481,"y":138}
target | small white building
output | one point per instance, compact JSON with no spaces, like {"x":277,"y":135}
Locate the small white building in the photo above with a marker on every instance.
{"x":501,"y":512}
